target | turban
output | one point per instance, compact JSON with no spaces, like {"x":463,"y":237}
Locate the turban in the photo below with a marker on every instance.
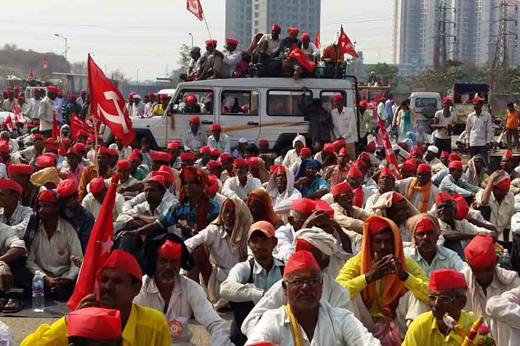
{"x":442,"y":197}
{"x":293,"y":31}
{"x":170,"y":250}
{"x":462,"y":207}
{"x":340,"y":189}
{"x":123,"y":164}
{"x":216,"y":127}
{"x":160,"y":156}
{"x":376,"y":225}
{"x":455,"y":165}
{"x":213,"y":164}
{"x":504,"y":182}
{"x":262,"y":226}
{"x":158,"y":179}
{"x":424,"y":168}
{"x":225,"y":157}
{"x":396,"y":198}
{"x":11,"y":185}
{"x":322,"y":205}
{"x":205,"y":150}
{"x":303,"y":205}
{"x":20,"y":168}
{"x":253,"y":162}
{"x":240,"y":163}
{"x":97,"y":185}
{"x":67,"y":187}
{"x":47,"y":196}
{"x":94,"y":323}
{"x":328,"y":148}
{"x":480,"y":252}
{"x":454,"y":157}
{"x":305,"y":151}
{"x":232,"y":41}
{"x":299,"y":261}
{"x":446,"y":279}
{"x":124,"y":261}
{"x":318,"y":238}
{"x":45,"y":161}
{"x":354,"y":172}
{"x":306,"y":36}
{"x":433,"y":149}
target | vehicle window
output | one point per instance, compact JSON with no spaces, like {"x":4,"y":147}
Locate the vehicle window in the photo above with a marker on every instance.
{"x":326,"y":98}
{"x":239,"y":102}
{"x":284,"y":102}
{"x":203,"y":102}
{"x":422,"y":102}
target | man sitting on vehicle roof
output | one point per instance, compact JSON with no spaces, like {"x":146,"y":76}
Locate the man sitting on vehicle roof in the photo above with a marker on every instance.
{"x":225,"y":63}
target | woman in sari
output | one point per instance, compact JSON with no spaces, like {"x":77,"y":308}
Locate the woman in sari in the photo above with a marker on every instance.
{"x":405,"y":120}
{"x":477,"y":170}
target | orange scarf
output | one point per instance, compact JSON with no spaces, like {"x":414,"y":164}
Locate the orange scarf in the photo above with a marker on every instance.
{"x":424,"y":189}
{"x":393,"y":287}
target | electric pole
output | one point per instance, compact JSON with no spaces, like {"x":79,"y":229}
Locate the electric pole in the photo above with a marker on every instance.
{"x":501,"y":59}
{"x":440,"y":54}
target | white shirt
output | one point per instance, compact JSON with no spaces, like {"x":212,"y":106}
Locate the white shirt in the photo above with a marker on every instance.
{"x":148,"y":109}
{"x":442,"y":133}
{"x":187,"y":299}
{"x":272,"y":44}
{"x":35,"y":106}
{"x":58,"y":106}
{"x":290,"y":158}
{"x":335,"y":326}
{"x":344,"y":124}
{"x":193,"y":142}
{"x":222,"y":145}
{"x":501,"y":214}
{"x":92,"y":204}
{"x":479,"y":128}
{"x":123,"y":153}
{"x":8,"y":239}
{"x":52,"y":256}
{"x":232,"y":187}
{"x":231,"y":59}
{"x":311,"y":50}
{"x":505,"y":310}
{"x":46,"y":114}
{"x":19,"y":220}
{"x":138,"y":110}
{"x":381,"y":111}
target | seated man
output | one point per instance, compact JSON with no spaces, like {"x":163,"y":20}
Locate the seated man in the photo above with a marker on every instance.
{"x":21,"y":173}
{"x":282,"y":191}
{"x":385,"y":183}
{"x":119,"y":280}
{"x":12,"y":266}
{"x":195,"y":138}
{"x":12,"y":213}
{"x":420,"y":191}
{"x":382,"y":257}
{"x":79,"y":216}
{"x":339,"y":173}
{"x":425,"y":231}
{"x":362,"y":192}
{"x":311,"y":320}
{"x":310,"y":184}
{"x":94,"y":199}
{"x":486,"y":280}
{"x":52,"y":240}
{"x":102,"y":169}
{"x":176,"y":296}
{"x":225,"y":64}
{"x":205,"y":153}
{"x":447,"y":296}
{"x":500,"y":201}
{"x":455,"y":183}
{"x":408,"y":169}
{"x":124,"y":170}
{"x":74,"y":168}
{"x":241,"y":185}
{"x":248,"y":281}
{"x":505,"y":309}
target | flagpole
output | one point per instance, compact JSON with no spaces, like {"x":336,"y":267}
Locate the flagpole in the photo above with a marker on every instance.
{"x":207,"y":26}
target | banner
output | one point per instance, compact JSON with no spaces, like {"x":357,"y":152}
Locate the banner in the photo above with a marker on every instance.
{"x":195,"y":7}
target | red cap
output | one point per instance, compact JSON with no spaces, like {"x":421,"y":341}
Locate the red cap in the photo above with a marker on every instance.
{"x":338,"y":144}
{"x":94,"y":323}
{"x":83,"y":133}
{"x":477,"y":99}
{"x":364,"y":157}
{"x":173,"y":146}
{"x":337,"y":97}
{"x":210,"y":42}
{"x":462,"y":207}
{"x":122,"y":260}
{"x":376,"y":225}
{"x":300,"y":260}
{"x":306,"y":36}
{"x":303,"y":205}
{"x":159,"y":179}
{"x":232,"y":41}
{"x":160,"y":156}
{"x":103,"y":150}
{"x":293,"y":31}
{"x":442,"y":197}
{"x":133,"y":156}
{"x":275,"y":27}
{"x":424,"y":168}
{"x":216,"y":127}
{"x":480,"y":252}
{"x":262,"y":226}
{"x":396,"y":198}
{"x":354,"y":172}
{"x":455,"y":165}
{"x":215,"y":152}
{"x":53,"y":89}
{"x":341,"y":188}
{"x":212,"y":186}
{"x":454,"y":157}
{"x":166,"y":172}
{"x":37,"y":136}
{"x":321,"y":205}
{"x":408,"y":165}
{"x":10,"y":185}
{"x":343,"y":151}
{"x":240,"y":163}
{"x":123,"y":164}
{"x":213,"y":164}
{"x":112,"y":152}
{"x":328,"y":148}
{"x":357,"y":163}
{"x":97,"y":185}
{"x":47,"y":196}
{"x":194,"y":119}
{"x":72,"y":151}
{"x":508,"y":154}
{"x":504,"y":183}
{"x":305,"y":151}
{"x":263,"y":142}
{"x":20,"y":168}
{"x":191,"y":99}
{"x":446,"y":279}
{"x":170,"y":250}
{"x":425,"y":225}
{"x":4,"y":147}
{"x":447,"y":99}
{"x":45,"y":161}
{"x":50,"y":144}
{"x":67,"y":187}
{"x":363,"y":104}
{"x":417,"y":151}
{"x":386,"y":172}
{"x":188,"y":157}
{"x":79,"y":147}
{"x":371,"y":147}
{"x":205,"y":150}
{"x":253,"y":162}
{"x":225,"y":156}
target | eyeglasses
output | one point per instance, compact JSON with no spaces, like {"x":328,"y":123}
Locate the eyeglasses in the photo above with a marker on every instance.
{"x":444,"y":300}
{"x":297,"y":283}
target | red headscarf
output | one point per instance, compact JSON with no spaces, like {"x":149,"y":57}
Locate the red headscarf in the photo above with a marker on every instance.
{"x":203,"y":206}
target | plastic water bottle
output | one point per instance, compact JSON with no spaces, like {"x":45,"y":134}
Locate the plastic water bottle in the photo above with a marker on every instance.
{"x":506,"y":260}
{"x":38,"y":298}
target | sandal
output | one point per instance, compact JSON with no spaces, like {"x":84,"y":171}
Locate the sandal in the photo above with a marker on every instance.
{"x":3,"y":302}
{"x":12,"y":306}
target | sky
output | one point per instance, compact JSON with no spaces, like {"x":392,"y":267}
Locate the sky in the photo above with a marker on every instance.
{"x":142,"y":38}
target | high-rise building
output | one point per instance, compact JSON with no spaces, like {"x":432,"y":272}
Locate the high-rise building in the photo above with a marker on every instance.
{"x":471,"y":28}
{"x":245,"y":18}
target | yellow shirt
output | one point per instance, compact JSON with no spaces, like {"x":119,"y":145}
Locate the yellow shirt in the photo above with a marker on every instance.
{"x":145,"y":327}
{"x":350,"y":277}
{"x":424,"y":331}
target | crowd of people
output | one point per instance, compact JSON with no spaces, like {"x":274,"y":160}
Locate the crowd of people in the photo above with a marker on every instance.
{"x":324,"y":244}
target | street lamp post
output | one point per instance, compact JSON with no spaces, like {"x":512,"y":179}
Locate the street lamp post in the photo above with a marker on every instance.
{"x":191,"y":39}
{"x":66,"y":45}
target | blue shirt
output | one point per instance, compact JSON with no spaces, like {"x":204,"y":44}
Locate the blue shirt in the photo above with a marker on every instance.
{"x":83,"y":222}
{"x":188,"y":213}
{"x":318,"y":183}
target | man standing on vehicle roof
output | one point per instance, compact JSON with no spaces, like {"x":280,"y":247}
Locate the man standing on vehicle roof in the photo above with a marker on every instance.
{"x":479,"y":130}
{"x":194,"y":139}
{"x":319,"y":119}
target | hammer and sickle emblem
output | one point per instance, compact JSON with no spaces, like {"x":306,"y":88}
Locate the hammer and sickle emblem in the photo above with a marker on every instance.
{"x":116,"y":119}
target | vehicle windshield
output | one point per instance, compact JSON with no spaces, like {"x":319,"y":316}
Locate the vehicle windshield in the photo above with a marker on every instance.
{"x":422,"y":102}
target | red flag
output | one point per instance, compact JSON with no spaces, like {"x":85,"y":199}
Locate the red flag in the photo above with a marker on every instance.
{"x":317,"y":42}
{"x":18,"y":117}
{"x":9,"y":123}
{"x":345,"y":44}
{"x":45,"y":62}
{"x":108,"y":104}
{"x":195,"y":7}
{"x":390,"y":155}
{"x":31,"y":75}
{"x":299,"y":55}
{"x":55,"y":129}
{"x":98,"y":248}
{"x":77,"y":124}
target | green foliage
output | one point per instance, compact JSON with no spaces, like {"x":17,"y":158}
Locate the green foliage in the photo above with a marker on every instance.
{"x":184,"y":58}
{"x":19,"y":62}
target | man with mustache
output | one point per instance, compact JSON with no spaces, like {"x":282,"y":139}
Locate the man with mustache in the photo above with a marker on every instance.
{"x":120,"y":280}
{"x":419,"y":190}
{"x":307,"y":319}
{"x":447,"y":296}
{"x":385,"y":183}
{"x":177,"y":296}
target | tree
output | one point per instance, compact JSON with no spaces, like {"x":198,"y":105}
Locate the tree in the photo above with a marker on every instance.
{"x":184,"y":59}
{"x":388,"y":72}
{"x":79,"y":67}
